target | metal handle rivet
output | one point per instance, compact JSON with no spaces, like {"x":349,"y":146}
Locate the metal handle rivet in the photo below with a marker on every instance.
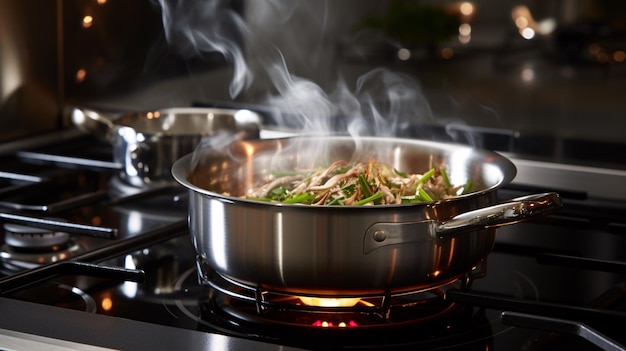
{"x":380,"y":235}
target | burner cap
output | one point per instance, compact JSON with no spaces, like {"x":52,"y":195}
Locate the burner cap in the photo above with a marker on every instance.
{"x":29,"y":237}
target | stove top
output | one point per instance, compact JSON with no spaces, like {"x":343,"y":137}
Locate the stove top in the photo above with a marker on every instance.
{"x":113,"y":267}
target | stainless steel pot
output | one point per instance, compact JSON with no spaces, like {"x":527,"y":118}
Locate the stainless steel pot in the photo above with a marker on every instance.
{"x":146,"y":144}
{"x":332,"y":250}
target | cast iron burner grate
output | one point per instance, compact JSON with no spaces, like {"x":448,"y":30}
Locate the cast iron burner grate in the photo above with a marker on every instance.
{"x":453,"y":326}
{"x":396,"y":321}
{"x":370,"y":312}
{"x":381,"y":309}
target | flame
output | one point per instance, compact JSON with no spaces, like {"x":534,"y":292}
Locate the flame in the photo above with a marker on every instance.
{"x":329,"y":302}
{"x":326,"y":324}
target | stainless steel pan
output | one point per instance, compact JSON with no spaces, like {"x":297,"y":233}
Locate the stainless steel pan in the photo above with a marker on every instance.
{"x":332,"y":250}
{"x":146,"y":144}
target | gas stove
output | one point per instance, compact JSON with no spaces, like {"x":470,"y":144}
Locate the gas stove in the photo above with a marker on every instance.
{"x":88,"y":262}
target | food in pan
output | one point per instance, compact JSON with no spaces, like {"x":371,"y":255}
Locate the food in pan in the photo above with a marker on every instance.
{"x":357,"y":184}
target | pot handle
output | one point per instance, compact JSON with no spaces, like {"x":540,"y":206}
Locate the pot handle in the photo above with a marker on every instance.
{"x":516,"y":210}
{"x":92,"y":122}
{"x":510,"y":212}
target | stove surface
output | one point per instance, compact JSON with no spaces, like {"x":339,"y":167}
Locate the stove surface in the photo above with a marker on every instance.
{"x":74,"y":330}
{"x":133,"y":282}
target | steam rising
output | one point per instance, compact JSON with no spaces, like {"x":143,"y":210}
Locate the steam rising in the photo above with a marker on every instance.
{"x":197,"y":26}
{"x":379,"y":103}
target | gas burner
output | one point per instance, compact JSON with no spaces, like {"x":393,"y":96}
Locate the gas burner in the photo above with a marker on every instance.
{"x":378,"y":309}
{"x":34,"y":239}
{"x":259,"y":306}
{"x":374,"y":312}
{"x":28,"y":247}
{"x":255,"y":306}
{"x":423,"y":320}
{"x":402,"y":319}
{"x":405,"y":320}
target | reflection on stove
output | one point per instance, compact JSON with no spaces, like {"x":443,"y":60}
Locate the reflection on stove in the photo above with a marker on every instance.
{"x":28,"y":247}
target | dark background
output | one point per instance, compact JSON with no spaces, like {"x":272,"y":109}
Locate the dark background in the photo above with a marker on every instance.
{"x":558,"y":95}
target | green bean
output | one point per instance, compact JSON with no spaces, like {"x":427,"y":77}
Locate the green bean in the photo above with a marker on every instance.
{"x":369,"y":199}
{"x":264,"y":199}
{"x":364,"y":186}
{"x":300,"y":199}
{"x":422,"y":194}
{"x":336,"y":201}
{"x":446,"y":180}
{"x":467,"y":188}
{"x":401,"y":174}
{"x":427,"y":176}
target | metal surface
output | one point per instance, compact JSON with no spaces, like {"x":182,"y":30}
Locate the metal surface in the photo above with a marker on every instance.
{"x":16,"y":341}
{"x":598,"y":182}
{"x":109,"y":332}
{"x":24,"y":278}
{"x":384,"y":234}
{"x":563,"y":326}
{"x":146,"y":144}
{"x":324,"y":249}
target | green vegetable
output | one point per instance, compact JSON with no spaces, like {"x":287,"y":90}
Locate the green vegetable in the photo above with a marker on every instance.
{"x":446,"y":180}
{"x":423,"y":195}
{"x":349,"y":190}
{"x":369,"y":199}
{"x":336,"y":201}
{"x":427,"y":176}
{"x":468,"y":187}
{"x":300,"y":199}
{"x":364,"y":186}
{"x":278,"y":193}
{"x":342,"y":169}
{"x":264,"y":199}
{"x":401,"y":174}
{"x":410,"y":199}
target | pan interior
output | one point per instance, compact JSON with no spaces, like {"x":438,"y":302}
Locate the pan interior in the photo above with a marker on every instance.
{"x":248,"y":164}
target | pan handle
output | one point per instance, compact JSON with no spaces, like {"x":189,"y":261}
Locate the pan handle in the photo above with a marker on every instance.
{"x":93,"y":122}
{"x":510,"y":212}
{"x":516,"y":210}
